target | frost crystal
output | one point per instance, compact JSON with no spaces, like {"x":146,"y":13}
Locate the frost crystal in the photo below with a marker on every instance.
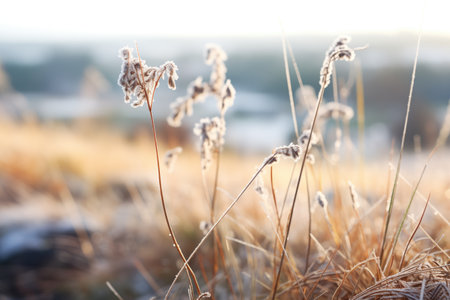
{"x":139,"y":80}
{"x":211,"y":132}
{"x":338,"y":51}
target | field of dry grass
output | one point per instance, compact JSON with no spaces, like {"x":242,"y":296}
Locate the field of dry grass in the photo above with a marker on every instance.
{"x":321,"y":239}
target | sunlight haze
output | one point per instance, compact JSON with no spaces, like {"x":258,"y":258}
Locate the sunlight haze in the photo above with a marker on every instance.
{"x":68,"y":20}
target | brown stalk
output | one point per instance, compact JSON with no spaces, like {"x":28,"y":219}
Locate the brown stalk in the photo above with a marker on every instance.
{"x":321,"y":275}
{"x":225,"y":212}
{"x":308,"y":248}
{"x":288,"y":226}
{"x":169,"y":226}
{"x":412,"y":234}
{"x":149,"y":278}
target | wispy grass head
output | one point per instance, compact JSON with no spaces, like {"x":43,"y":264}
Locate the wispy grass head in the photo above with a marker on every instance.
{"x":303,"y":139}
{"x":183,"y":106}
{"x":216,"y":57}
{"x":211,"y":133}
{"x":139,"y":80}
{"x":227,"y":98}
{"x":171,"y":156}
{"x":307,"y":97}
{"x":292,"y":151}
{"x":321,"y":199}
{"x":218,"y":86}
{"x":336,"y":110}
{"x":338,"y":51}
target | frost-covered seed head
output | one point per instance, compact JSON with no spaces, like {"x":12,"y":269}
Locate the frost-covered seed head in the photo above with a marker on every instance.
{"x":292,"y":151}
{"x":311,"y":159}
{"x":338,"y":51}
{"x":303,"y":139}
{"x":197,"y":92}
{"x":216,"y":57}
{"x":214,"y":53}
{"x":139,"y":80}
{"x":227,"y":98}
{"x":307,"y":97}
{"x":260,"y":188}
{"x":321,"y":199}
{"x":354,"y":195}
{"x":211,"y":133}
{"x":171,"y":156}
{"x":336,"y":110}
{"x":204,"y":227}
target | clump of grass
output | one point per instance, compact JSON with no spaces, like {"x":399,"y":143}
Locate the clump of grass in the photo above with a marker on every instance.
{"x":341,"y":259}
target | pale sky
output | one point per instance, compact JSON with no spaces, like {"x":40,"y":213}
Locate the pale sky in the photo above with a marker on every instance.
{"x":23,"y":20}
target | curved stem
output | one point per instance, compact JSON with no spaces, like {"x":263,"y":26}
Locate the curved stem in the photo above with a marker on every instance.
{"x":291,"y":213}
{"x":227,"y":210}
{"x":171,"y":233}
{"x":216,"y":240}
{"x":397,"y":173}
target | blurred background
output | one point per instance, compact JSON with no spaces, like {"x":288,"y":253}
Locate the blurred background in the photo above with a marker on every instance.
{"x":68,"y":138}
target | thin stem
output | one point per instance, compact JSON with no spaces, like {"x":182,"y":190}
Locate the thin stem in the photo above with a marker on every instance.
{"x":288,"y":80}
{"x":413,"y":233}
{"x":274,"y":197}
{"x":361,"y":122}
{"x":308,"y":248}
{"x":216,"y":237}
{"x":291,"y":213}
{"x":227,"y":210}
{"x":278,"y":229}
{"x":394,"y":189}
{"x":321,"y":275}
{"x":171,"y":233}
{"x":405,"y":215}
{"x":294,"y":63}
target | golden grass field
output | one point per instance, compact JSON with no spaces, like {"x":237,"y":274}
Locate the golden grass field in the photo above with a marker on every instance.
{"x":104,"y":183}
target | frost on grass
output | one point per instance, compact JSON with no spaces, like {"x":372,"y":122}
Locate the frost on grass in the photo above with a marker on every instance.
{"x":336,"y":110}
{"x":338,"y":51}
{"x":171,"y":157}
{"x":321,"y":200}
{"x":307,"y":97}
{"x":303,"y":139}
{"x":197,"y":92}
{"x":292,"y":151}
{"x":328,"y":111}
{"x":139,"y":80}
{"x":211,"y":133}
{"x":218,"y":86}
{"x":260,"y":187}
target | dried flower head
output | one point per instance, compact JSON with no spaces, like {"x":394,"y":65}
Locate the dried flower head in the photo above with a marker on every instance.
{"x":336,"y":110}
{"x":216,"y":57}
{"x":303,"y":139}
{"x":321,"y":199}
{"x":338,"y":51}
{"x":171,"y":156}
{"x":204,"y":227}
{"x":307,"y":97}
{"x":354,"y":195}
{"x":292,"y":151}
{"x":310,"y":159}
{"x":197,"y":92}
{"x":139,"y":80}
{"x":211,"y":133}
{"x":260,"y":188}
{"x":227,"y":98}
